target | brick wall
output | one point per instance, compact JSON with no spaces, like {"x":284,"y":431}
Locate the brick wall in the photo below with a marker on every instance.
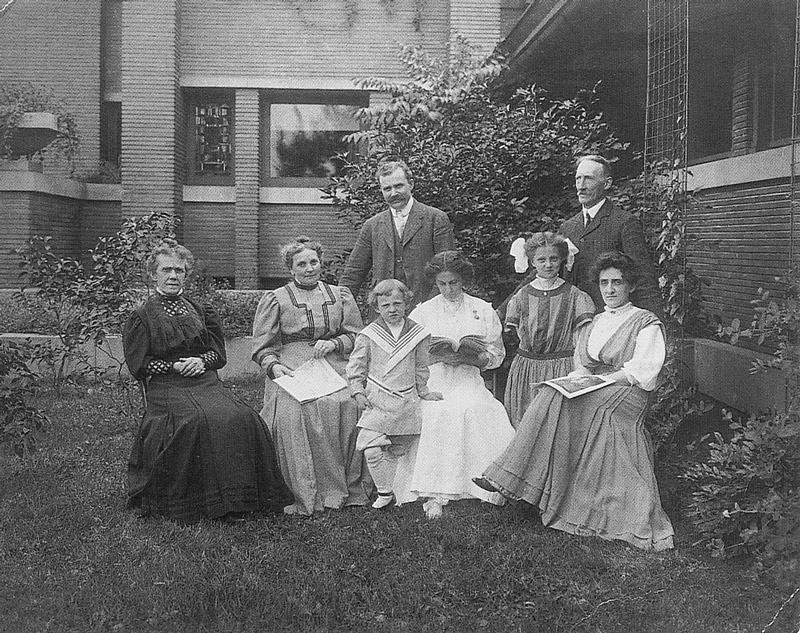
{"x":281,"y":223}
{"x":744,"y":78}
{"x":209,"y":231}
{"x":56,"y":44}
{"x":292,"y":40}
{"x":152,"y":116}
{"x":742,"y":243}
{"x":248,"y":174}
{"x":29,"y":213}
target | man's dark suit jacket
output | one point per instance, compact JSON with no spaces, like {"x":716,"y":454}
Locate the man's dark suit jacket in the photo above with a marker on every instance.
{"x":428,"y":231}
{"x":612,"y":229}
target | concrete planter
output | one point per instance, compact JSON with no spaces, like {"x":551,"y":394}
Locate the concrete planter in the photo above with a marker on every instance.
{"x":110,"y":358}
{"x":34,"y":131}
{"x":722,"y":371}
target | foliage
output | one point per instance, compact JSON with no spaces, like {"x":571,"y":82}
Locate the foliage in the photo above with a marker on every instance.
{"x":674,"y":402}
{"x":89,"y":302}
{"x":746,"y":495}
{"x":26,"y":312}
{"x":18,"y":418}
{"x":659,"y":198}
{"x":499,"y":165}
{"x":236,"y":309}
{"x":107,"y":174}
{"x":19,"y":98}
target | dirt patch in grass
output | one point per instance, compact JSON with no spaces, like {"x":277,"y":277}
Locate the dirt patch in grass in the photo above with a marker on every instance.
{"x":73,"y":559}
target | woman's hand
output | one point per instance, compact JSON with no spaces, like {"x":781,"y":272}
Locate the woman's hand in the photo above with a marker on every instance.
{"x":281,"y":370}
{"x":362,"y":402}
{"x":191,"y":366}
{"x":432,"y":395}
{"x":323,"y":348}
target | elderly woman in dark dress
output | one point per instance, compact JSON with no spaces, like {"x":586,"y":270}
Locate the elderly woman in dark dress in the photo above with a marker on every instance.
{"x":200,"y":451}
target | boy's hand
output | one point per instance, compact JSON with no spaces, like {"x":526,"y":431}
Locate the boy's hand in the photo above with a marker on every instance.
{"x":432,"y":395}
{"x":362,"y":402}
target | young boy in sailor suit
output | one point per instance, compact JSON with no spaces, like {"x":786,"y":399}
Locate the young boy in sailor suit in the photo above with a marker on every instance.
{"x":388,"y":375}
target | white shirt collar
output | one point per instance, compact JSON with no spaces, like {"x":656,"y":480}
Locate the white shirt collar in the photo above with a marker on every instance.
{"x":592,"y":211}
{"x":405,"y":210}
{"x":620,"y":310}
{"x":164,"y":294}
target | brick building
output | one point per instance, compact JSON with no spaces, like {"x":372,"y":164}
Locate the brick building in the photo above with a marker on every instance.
{"x":222,"y":113}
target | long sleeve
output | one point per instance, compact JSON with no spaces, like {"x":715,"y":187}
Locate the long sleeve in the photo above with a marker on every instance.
{"x":422,"y":361}
{"x":496,"y":347}
{"x":581,"y":338}
{"x":648,"y":358}
{"x":136,"y":346}
{"x":215,"y":357}
{"x":358,"y":365}
{"x":512,"y":312}
{"x":267,"y":341}
{"x":360,"y":261}
{"x":351,"y":322}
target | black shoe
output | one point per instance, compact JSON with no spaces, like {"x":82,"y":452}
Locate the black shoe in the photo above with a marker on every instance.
{"x":484,"y":484}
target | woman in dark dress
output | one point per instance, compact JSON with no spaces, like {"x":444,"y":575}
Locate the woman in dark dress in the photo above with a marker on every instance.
{"x":200,"y":451}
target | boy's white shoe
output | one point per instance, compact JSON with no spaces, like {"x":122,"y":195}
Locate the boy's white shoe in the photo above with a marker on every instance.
{"x":384,"y":501}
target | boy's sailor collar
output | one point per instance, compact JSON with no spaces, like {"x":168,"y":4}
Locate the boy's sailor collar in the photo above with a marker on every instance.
{"x":397,"y":349}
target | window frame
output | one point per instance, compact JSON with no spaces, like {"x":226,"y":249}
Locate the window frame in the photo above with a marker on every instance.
{"x":357,"y":98}
{"x":193,"y":99}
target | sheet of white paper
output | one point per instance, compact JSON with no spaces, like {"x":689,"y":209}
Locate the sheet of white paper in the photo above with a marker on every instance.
{"x":313,"y":379}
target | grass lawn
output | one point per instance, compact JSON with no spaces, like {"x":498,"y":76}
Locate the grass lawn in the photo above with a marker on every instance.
{"x":72,"y":558}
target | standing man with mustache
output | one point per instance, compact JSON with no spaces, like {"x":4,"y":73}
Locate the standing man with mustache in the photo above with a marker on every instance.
{"x":398,"y":242}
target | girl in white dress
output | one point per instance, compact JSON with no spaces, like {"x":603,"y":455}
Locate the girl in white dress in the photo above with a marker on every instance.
{"x":469,"y":428}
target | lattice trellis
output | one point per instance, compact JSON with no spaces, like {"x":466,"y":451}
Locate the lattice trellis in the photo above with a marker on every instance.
{"x":795,"y":171}
{"x":667,"y":81}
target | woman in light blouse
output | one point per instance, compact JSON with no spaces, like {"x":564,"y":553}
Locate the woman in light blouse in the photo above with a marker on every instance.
{"x":587,"y":462}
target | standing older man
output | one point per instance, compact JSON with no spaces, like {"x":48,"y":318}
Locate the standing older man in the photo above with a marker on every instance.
{"x":398,"y":242}
{"x":600,"y":227}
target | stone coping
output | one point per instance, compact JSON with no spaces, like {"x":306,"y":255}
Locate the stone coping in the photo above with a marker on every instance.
{"x":35,"y":182}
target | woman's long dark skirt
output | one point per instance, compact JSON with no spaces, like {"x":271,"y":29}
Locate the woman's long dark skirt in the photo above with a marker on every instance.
{"x":202,"y":452}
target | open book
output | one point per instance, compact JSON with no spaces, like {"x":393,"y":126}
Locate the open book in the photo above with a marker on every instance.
{"x":469,"y":343}
{"x":573,"y":386}
{"x":313,"y":379}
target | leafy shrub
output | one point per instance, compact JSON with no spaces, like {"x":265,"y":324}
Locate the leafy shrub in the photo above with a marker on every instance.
{"x":746,"y":495}
{"x":18,"y":419}
{"x":501,"y":166}
{"x":26,"y":312}
{"x":86,"y":303}
{"x":674,"y":402}
{"x":237,"y":310}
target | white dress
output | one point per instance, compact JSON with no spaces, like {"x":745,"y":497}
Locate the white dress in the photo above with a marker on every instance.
{"x":463,"y":433}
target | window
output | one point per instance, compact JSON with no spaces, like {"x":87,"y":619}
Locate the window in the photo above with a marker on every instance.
{"x":741,"y":71}
{"x":306,"y":131}
{"x":776,"y":76}
{"x":110,"y":132}
{"x":210,"y":139}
